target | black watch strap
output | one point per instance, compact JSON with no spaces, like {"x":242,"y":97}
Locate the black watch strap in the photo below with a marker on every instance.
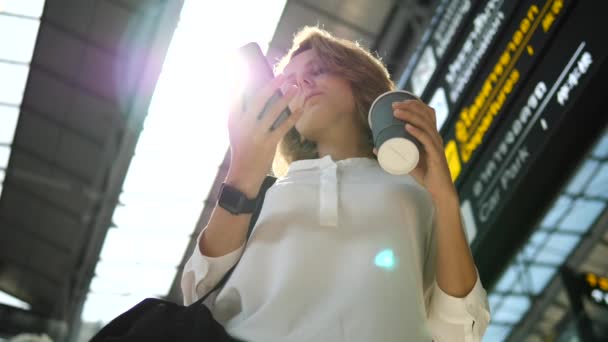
{"x":235,"y":201}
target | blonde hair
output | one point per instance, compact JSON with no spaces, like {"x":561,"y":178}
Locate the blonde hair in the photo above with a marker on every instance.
{"x":367,"y":75}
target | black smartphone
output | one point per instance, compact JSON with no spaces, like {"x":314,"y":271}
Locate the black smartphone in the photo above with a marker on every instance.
{"x":260,"y":73}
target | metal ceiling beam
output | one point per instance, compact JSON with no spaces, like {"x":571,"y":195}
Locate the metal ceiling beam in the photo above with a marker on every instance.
{"x":21,"y":16}
{"x":72,"y":83}
{"x":8,"y":61}
{"x":401,"y":32}
{"x":72,"y":174}
{"x":76,"y":217}
{"x":159,"y":41}
{"x":79,"y":37}
{"x":24,"y":266}
{"x":10,"y":225}
{"x":335,"y":18}
{"x":45,"y":116}
{"x":14,"y":321}
{"x":550,"y":293}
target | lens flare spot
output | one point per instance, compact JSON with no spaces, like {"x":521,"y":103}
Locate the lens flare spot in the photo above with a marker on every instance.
{"x":386,"y":259}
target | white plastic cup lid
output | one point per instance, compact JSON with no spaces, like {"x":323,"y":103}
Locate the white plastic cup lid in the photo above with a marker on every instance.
{"x":398,"y":156}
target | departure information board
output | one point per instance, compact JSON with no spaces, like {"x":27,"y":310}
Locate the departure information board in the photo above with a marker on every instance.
{"x":595,"y":287}
{"x":503,"y":89}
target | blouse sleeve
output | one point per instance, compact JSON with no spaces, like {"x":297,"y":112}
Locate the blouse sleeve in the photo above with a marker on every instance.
{"x":452,"y":318}
{"x":201,"y":273}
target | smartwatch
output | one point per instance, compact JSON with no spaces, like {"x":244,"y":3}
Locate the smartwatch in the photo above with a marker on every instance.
{"x":233,"y":200}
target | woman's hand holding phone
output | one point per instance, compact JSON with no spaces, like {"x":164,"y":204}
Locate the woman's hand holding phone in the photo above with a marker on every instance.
{"x":252,"y":142}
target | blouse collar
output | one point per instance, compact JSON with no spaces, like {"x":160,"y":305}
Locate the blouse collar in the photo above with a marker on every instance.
{"x":328,"y":161}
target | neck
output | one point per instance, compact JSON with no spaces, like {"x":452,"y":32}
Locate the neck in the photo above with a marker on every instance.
{"x":343,"y":146}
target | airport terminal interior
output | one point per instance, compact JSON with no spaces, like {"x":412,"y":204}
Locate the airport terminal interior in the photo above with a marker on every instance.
{"x":114,"y":145}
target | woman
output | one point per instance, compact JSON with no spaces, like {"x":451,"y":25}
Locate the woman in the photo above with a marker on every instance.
{"x":341,"y":251}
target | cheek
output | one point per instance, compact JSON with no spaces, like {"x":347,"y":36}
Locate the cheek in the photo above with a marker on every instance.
{"x":295,"y":104}
{"x":342,"y":95}
{"x":344,"y":101}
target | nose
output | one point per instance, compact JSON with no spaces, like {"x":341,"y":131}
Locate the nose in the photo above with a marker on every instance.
{"x":305,"y":80}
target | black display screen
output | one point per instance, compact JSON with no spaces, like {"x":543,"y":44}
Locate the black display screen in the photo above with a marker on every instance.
{"x":504,"y":107}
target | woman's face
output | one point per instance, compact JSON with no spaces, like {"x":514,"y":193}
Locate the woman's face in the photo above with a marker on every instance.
{"x":326,"y":98}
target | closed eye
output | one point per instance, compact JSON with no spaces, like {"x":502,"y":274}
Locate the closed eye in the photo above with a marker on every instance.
{"x":318,"y":70}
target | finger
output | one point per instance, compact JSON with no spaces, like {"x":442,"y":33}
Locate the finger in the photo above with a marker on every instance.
{"x":415,"y":118}
{"x":263,"y":95}
{"x":417,"y":106}
{"x":236,"y":106}
{"x":430,"y":146}
{"x":288,"y":124}
{"x":271,"y":113}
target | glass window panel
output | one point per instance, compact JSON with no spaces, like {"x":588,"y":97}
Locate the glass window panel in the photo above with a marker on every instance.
{"x":601,"y":149}
{"x":139,"y":246}
{"x":17,"y":38}
{"x":507,"y":279}
{"x":495,"y":301}
{"x":520,"y":284}
{"x":31,"y":8}
{"x":161,"y":276}
{"x":158,"y":193}
{"x":105,"y":268}
{"x":540,"y":276}
{"x":7,"y":299}
{"x":534,"y":243}
{"x":512,"y":309}
{"x":582,"y":177}
{"x":154,"y":196}
{"x":496,"y":332}
{"x":582,"y":215}
{"x":128,"y":286}
{"x":104,"y":307}
{"x":133,"y":218}
{"x":189,"y":182}
{"x":556,"y":212}
{"x":557,"y":248}
{"x":12,"y":82}
{"x":5,"y":153}
{"x":599,"y":185}
{"x":188,"y":207}
{"x":8,"y":123}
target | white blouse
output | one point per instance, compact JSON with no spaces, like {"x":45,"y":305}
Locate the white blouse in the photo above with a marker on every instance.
{"x":341,"y":251}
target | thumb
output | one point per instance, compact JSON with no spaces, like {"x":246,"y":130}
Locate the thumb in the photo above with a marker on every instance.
{"x":237,"y":105}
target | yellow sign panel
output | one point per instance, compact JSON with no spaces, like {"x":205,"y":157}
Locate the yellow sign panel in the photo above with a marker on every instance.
{"x":596,"y":281}
{"x":451,"y":154}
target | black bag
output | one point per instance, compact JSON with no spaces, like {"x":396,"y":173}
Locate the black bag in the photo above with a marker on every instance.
{"x":155,"y":319}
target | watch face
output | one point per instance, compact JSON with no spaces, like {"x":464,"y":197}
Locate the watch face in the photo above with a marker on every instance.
{"x":230,"y":198}
{"x":235,"y":201}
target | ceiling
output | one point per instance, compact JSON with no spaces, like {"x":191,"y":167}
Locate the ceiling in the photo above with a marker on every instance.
{"x":390,"y":27}
{"x":91,"y":77}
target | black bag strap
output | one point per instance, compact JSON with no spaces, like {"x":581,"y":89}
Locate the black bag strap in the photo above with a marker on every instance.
{"x":268,"y":182}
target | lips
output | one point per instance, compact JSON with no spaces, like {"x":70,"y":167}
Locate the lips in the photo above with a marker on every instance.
{"x":311,"y":95}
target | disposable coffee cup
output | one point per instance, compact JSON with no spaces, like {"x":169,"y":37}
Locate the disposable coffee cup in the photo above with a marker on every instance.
{"x":398,"y":150}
